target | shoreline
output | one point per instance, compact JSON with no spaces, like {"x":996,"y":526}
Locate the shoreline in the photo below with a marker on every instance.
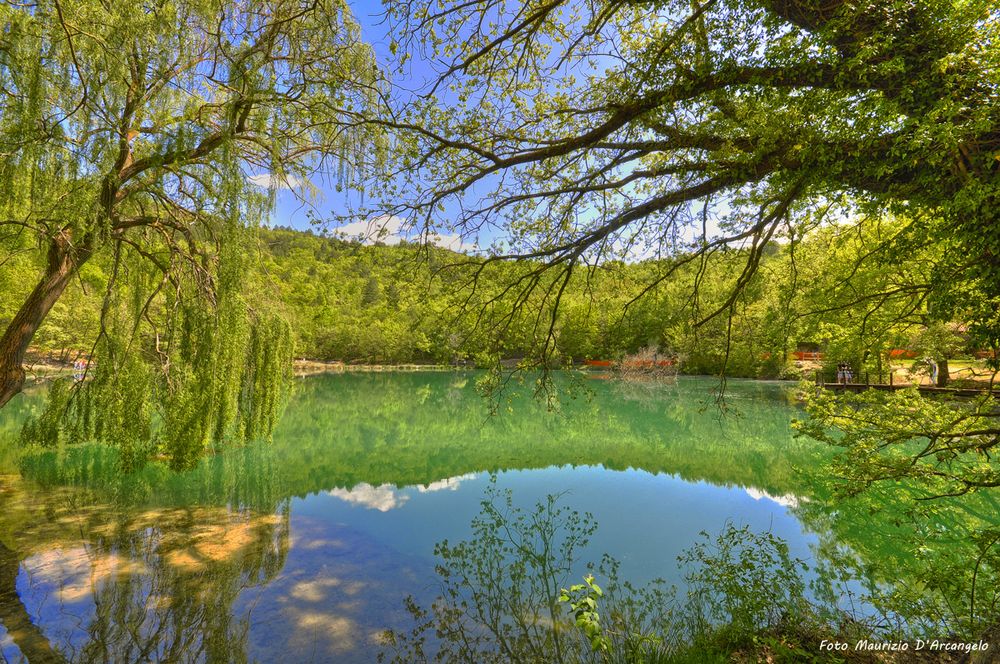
{"x":41,"y":371}
{"x":303,"y":367}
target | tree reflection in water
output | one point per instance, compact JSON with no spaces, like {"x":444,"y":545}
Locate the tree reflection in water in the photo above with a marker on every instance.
{"x":113,"y":585}
{"x":123,"y":567}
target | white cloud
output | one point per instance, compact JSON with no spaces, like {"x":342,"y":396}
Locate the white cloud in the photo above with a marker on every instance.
{"x":390,"y":229}
{"x":266,"y":180}
{"x":387,"y":229}
{"x":383,"y":497}
{"x":453,"y":242}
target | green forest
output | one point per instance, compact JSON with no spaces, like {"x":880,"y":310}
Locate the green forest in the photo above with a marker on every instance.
{"x":363,"y":304}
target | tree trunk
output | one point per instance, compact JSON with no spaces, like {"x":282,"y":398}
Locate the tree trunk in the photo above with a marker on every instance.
{"x":64,"y":260}
{"x":944,"y":373}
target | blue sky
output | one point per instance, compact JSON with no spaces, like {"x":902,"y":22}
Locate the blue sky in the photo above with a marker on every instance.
{"x":418,"y":75}
{"x":290,"y":209}
{"x":327,"y":202}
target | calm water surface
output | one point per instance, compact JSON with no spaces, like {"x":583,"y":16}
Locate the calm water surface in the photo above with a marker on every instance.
{"x":304,"y":549}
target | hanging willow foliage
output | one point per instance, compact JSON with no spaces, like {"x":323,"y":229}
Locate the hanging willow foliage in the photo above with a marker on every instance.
{"x":137,"y":136}
{"x":195,"y":373}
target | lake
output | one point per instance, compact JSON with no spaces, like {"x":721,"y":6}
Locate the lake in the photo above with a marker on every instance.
{"x":304,"y":549}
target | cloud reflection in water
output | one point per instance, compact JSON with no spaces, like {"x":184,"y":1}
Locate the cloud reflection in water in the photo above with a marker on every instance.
{"x":385,"y":497}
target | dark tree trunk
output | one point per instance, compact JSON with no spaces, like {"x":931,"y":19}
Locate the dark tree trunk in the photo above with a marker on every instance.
{"x":943,"y":373}
{"x":64,"y":260}
{"x":15,"y":618}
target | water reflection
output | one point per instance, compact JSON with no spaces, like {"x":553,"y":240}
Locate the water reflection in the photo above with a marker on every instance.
{"x":342,"y":432}
{"x":385,"y":497}
{"x":239,"y":558}
{"x":304,"y":548}
{"x":107,"y":584}
{"x":382,"y":498}
{"x":787,"y":500}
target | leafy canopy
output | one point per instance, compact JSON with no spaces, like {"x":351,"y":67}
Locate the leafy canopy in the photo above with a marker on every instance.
{"x":679,"y":129}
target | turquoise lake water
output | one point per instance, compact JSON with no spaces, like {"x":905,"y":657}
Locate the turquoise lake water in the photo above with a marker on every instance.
{"x":304,"y":549}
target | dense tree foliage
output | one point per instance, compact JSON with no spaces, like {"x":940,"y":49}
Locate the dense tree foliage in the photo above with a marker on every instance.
{"x":404,"y":303}
{"x":691,"y":130}
{"x":682,"y":129}
{"x":400,"y":304}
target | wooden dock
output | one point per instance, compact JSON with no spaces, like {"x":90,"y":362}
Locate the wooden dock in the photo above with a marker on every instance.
{"x":820,"y":381}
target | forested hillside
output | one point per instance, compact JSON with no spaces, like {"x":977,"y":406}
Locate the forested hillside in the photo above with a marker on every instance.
{"x":406,"y":303}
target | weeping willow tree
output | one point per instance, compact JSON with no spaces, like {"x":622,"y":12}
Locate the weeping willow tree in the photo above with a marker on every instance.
{"x":152,"y":136}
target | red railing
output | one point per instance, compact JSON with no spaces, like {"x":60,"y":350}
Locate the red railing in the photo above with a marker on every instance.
{"x":629,"y":363}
